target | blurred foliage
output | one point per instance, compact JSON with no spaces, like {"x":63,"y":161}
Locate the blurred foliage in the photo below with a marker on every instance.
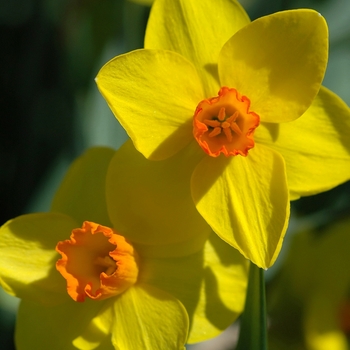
{"x":49,"y":55}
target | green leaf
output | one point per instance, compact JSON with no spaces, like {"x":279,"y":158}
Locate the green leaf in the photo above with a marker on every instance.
{"x":253,"y":334}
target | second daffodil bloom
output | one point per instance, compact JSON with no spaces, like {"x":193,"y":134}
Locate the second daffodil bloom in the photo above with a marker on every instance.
{"x":310,"y":298}
{"x":85,"y":284}
{"x":245,"y":99}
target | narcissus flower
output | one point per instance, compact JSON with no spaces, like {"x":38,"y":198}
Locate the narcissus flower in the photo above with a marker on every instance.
{"x":245,"y":100}
{"x":86,"y":283}
{"x":315,"y":281}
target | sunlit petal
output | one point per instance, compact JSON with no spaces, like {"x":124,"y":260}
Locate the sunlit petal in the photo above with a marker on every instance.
{"x":28,"y":256}
{"x":316,"y":147}
{"x":245,"y":201}
{"x":153,"y":94}
{"x":197,"y":30}
{"x":278,"y":62}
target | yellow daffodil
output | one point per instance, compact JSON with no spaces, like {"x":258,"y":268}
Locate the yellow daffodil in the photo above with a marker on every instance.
{"x":88,"y":284}
{"x":244,"y":99}
{"x":311,"y":300}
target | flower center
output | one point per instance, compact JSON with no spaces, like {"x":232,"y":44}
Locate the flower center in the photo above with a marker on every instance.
{"x":107,"y":263}
{"x":96,"y":262}
{"x":224,"y":124}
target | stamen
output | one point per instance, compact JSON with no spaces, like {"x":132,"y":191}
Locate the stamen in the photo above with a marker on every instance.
{"x":215,"y":132}
{"x":228,"y":134}
{"x":222,"y":114}
{"x":212,"y":123}
{"x":234,"y":116}
{"x":236,"y":128}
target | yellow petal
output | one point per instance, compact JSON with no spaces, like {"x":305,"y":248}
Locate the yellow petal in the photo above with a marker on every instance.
{"x":28,"y":256}
{"x":223,"y":290}
{"x":278,"y":62}
{"x":81,"y":195}
{"x":190,"y":246}
{"x":149,"y":319}
{"x":245,"y":201}
{"x":153,"y":94}
{"x":211,"y":285}
{"x":54,"y":327}
{"x":150,"y":202}
{"x":96,"y":334}
{"x":197,"y":30}
{"x":316,"y":147}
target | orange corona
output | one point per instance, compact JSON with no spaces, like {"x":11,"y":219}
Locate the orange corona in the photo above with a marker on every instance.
{"x":224,"y":124}
{"x":96,"y":262}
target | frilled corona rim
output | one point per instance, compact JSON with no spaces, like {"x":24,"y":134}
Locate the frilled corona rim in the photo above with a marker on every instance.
{"x":97,"y":262}
{"x":224,"y":124}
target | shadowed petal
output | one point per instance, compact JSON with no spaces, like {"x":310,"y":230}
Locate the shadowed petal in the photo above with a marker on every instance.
{"x":150,"y":202}
{"x":82,"y":193}
{"x":149,"y":319}
{"x":55,"y":327}
{"x":211,"y":284}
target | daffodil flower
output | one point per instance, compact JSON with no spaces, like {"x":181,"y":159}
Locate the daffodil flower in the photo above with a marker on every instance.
{"x":245,"y":99}
{"x":315,"y":281}
{"x":86,"y":284}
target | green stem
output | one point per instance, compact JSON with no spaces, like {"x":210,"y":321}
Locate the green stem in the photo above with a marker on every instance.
{"x":253,"y":330}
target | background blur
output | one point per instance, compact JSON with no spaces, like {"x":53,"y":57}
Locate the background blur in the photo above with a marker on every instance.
{"x":51,"y":110}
